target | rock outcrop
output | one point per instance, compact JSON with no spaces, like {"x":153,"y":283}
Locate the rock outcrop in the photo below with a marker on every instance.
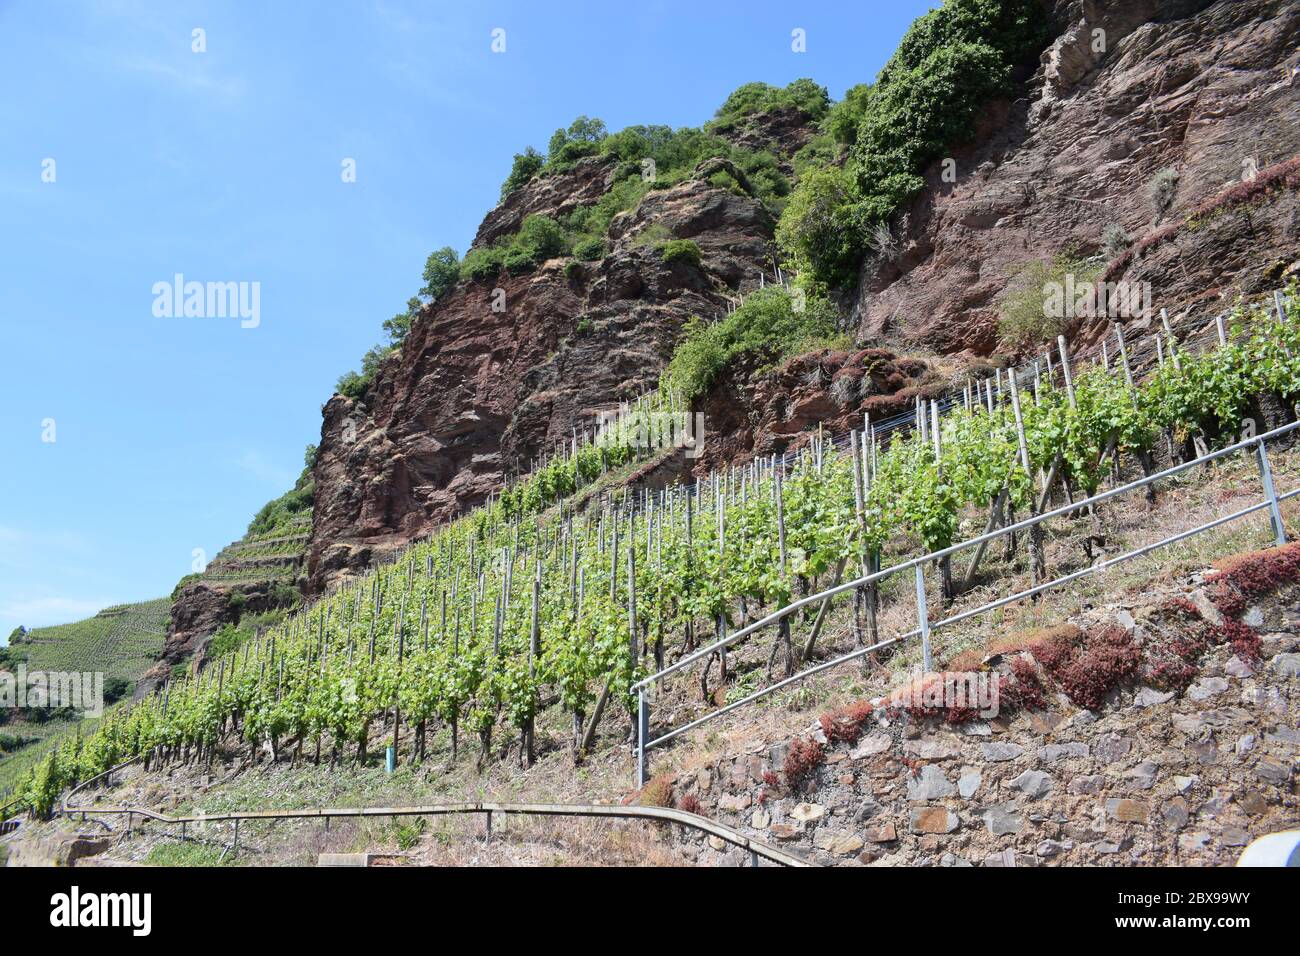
{"x":495,"y":374}
{"x":199,"y":609}
{"x":1206,"y":89}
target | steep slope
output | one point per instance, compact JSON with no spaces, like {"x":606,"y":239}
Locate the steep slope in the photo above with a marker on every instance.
{"x":1137,"y":117}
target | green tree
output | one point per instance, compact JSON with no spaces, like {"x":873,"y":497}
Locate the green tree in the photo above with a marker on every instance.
{"x":441,"y":270}
{"x":525,"y":166}
{"x":582,"y":138}
{"x":821,"y":230}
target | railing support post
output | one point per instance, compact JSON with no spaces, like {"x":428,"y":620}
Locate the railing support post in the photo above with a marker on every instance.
{"x":923,"y":619}
{"x":1270,"y":492}
{"x":642,"y":736}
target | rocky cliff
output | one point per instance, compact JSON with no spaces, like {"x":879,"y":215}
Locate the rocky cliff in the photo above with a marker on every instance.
{"x":496,"y":373}
{"x":1208,"y":90}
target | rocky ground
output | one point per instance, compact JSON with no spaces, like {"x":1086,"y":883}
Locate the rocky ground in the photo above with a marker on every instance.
{"x":1150,"y":777}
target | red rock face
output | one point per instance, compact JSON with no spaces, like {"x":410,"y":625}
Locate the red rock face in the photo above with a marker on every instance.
{"x":1196,"y":86}
{"x":198,"y":612}
{"x":747,"y":416}
{"x":476,"y":393}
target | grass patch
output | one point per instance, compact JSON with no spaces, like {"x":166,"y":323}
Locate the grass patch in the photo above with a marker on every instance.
{"x":181,"y":853}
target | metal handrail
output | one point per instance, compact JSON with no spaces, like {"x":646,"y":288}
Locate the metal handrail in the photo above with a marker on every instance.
{"x":755,"y":848}
{"x":953,"y":549}
{"x":1271,"y":501}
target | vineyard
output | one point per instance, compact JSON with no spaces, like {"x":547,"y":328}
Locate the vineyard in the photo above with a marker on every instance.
{"x":275,"y":555}
{"x":121,"y":642}
{"x":529,"y":602}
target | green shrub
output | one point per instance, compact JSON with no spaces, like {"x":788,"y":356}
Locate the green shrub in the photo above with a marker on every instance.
{"x":680,"y":250}
{"x":818,"y":152}
{"x":585,"y":326}
{"x":280,"y":511}
{"x":441,"y":270}
{"x":950,"y":64}
{"x":676,"y":153}
{"x":1114,"y":240}
{"x":115,"y":688}
{"x":766,"y":328}
{"x":355,"y":385}
{"x":844,"y":118}
{"x":525,"y":166}
{"x":653,"y":234}
{"x":1024,"y":319}
{"x":483,"y":264}
{"x":1163,"y":187}
{"x":180,"y":585}
{"x":538,"y":239}
{"x":589,"y":249}
{"x":761,"y":97}
{"x":822,"y":232}
{"x":582,"y":138}
{"x":285,"y":595}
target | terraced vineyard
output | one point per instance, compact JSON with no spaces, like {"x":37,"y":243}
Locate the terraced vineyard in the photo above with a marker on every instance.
{"x":275,"y":555}
{"x":122,"y":641}
{"x":526,"y":600}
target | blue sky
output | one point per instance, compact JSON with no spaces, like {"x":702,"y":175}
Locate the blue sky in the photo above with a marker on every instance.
{"x":224,"y":165}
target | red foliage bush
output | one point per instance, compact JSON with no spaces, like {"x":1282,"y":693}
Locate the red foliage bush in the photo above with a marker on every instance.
{"x":1106,"y":659}
{"x":1053,"y":653}
{"x":770,"y":778}
{"x":1170,"y":674}
{"x":690,"y":803}
{"x":845,"y":724}
{"x":1181,"y":609}
{"x":1243,"y":638}
{"x":956,"y":716}
{"x":803,"y":758}
{"x":1245,"y":577}
{"x":1022,"y":690}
